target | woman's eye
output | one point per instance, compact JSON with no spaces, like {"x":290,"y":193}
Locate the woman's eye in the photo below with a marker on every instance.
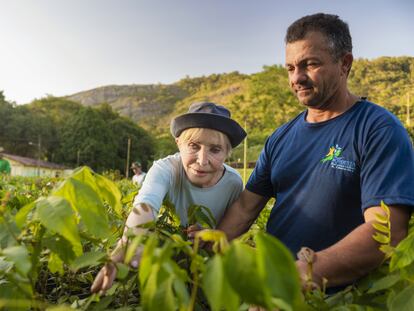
{"x":193,"y":146}
{"x":216,"y":150}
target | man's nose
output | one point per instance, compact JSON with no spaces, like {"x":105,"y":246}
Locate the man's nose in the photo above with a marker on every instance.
{"x":298,"y":76}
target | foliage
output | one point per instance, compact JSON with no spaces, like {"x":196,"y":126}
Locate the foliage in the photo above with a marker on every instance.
{"x":63,"y":131}
{"x":55,"y":234}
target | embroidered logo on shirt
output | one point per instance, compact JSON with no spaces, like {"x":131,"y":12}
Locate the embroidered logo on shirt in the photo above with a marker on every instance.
{"x":338,"y":162}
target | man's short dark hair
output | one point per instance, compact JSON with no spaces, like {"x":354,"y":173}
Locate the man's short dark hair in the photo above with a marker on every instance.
{"x":334,"y":29}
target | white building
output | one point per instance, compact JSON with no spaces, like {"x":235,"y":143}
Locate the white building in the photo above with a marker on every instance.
{"x":22,"y":166}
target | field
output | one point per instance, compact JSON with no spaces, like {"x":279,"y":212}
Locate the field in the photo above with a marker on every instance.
{"x":56,"y":234}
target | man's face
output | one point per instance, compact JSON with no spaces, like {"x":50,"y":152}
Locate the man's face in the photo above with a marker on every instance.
{"x":314,"y":76}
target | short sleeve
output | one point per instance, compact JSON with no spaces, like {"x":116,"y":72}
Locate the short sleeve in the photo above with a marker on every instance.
{"x":260,"y":180}
{"x":155,"y":186}
{"x":387,"y":168}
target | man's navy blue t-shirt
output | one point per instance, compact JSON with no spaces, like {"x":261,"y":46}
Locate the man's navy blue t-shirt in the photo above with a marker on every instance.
{"x":324,"y":175}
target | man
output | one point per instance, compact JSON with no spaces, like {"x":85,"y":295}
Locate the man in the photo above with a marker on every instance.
{"x":331,"y":166}
{"x":139,"y":175}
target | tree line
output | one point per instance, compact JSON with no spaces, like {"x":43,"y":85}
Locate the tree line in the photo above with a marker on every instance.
{"x":63,"y":131}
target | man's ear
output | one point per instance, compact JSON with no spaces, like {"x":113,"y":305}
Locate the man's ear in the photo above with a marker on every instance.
{"x":347,"y":60}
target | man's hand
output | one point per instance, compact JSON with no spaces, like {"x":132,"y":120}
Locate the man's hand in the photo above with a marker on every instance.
{"x":104,"y":279}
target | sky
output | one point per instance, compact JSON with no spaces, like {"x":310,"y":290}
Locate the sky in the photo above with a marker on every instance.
{"x":57,"y":47}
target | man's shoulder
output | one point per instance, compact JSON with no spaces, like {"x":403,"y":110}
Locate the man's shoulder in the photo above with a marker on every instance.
{"x":372,"y":114}
{"x":286,"y":126}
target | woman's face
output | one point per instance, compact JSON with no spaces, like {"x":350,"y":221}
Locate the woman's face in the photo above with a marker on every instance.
{"x":203,"y":158}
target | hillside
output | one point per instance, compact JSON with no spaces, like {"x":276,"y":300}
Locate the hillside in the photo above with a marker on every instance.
{"x":151,"y":106}
{"x":385,"y":80}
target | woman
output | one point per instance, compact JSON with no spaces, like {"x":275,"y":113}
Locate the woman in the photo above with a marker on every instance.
{"x":197,"y":175}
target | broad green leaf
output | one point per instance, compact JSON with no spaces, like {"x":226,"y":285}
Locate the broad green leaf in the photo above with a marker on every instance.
{"x":403,"y":301}
{"x":87,"y":259}
{"x":149,"y":288}
{"x":145,"y":266}
{"x":202,"y":215}
{"x":110,"y":193}
{"x":384,"y":283}
{"x":132,"y":248}
{"x":404,"y":253}
{"x":381,"y":238}
{"x":381,"y":228}
{"x":85,"y":200}
{"x":277,"y":267}
{"x":56,"y":215}
{"x":60,"y":246}
{"x":163,"y":298}
{"x":122,"y":271}
{"x":21,"y":215}
{"x":243,"y":274}
{"x":20,"y":257}
{"x":55,"y":264}
{"x":218,"y":292}
{"x":181,"y":291}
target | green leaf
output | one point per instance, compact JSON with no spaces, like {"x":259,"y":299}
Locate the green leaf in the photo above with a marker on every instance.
{"x":404,"y":253}
{"x":60,"y":246}
{"x":210,"y":235}
{"x":386,"y":209}
{"x":381,"y":218}
{"x":55,"y":264}
{"x":122,"y":271}
{"x":87,"y":260}
{"x":145,"y":266}
{"x":243,"y":275}
{"x":277,"y":267}
{"x":132,"y":248}
{"x":20,"y":257}
{"x":56,"y":215}
{"x":384,"y":283}
{"x":381,"y":228}
{"x":181,"y":291}
{"x":381,"y":238}
{"x":85,"y":200}
{"x":218,"y":292}
{"x":403,"y":301}
{"x":164,"y":297}
{"x":202,"y":215}
{"x":21,"y":215}
{"x":110,"y":193}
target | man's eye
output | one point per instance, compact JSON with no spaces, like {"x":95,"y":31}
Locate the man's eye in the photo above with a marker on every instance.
{"x":216,"y":150}
{"x":290,"y":68}
{"x":312,"y":65}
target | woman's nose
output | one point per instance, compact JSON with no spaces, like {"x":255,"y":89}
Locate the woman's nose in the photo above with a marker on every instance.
{"x":202,"y":157}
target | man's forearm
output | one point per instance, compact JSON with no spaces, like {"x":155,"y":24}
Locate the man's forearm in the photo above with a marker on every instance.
{"x":241,"y":215}
{"x":357,"y":253}
{"x":349,"y":259}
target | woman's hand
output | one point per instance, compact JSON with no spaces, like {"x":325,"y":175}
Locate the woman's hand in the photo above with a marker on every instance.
{"x":104,"y":279}
{"x":192,"y":230}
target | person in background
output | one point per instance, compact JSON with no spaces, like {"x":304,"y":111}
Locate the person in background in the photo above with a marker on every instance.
{"x":196,"y":175}
{"x":331,"y":166}
{"x":139,"y":174}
